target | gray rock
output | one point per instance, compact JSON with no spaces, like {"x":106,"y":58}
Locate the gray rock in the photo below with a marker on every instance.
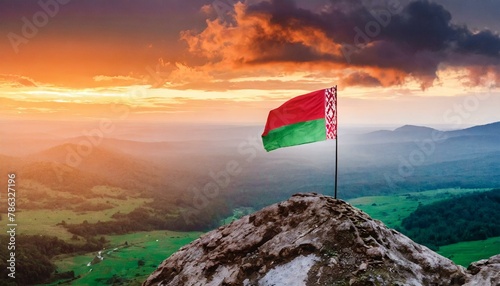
{"x":312,"y":239}
{"x":484,"y":272}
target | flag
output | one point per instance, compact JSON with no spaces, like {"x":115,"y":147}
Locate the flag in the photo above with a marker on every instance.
{"x":303,"y":119}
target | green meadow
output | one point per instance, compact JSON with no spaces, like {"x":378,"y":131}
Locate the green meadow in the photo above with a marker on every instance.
{"x":46,"y":221}
{"x":464,"y":253}
{"x":391,"y":210}
{"x":129,"y":259}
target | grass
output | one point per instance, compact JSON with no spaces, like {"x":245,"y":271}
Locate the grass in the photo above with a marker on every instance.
{"x":463,"y":253}
{"x":393,"y":209}
{"x":389,"y":209}
{"x":58,"y":206}
{"x":121,"y":259}
{"x":45,"y":222}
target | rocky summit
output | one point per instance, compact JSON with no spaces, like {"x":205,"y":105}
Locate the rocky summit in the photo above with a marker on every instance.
{"x":312,"y":239}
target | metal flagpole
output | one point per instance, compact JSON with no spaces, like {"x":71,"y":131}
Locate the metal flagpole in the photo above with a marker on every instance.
{"x":336,"y":142}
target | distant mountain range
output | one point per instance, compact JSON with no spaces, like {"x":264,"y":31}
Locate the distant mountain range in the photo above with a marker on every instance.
{"x":487,"y":129}
{"x":465,"y":158}
{"x":412,"y":132}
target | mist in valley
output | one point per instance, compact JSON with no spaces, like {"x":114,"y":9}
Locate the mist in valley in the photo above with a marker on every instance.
{"x":179,"y":161}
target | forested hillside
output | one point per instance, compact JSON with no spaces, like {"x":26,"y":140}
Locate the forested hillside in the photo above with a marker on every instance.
{"x":466,"y":218}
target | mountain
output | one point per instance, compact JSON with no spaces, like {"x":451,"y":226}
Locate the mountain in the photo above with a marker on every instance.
{"x":413,"y":133}
{"x":487,"y":129}
{"x":61,"y":177}
{"x":16,"y":145}
{"x":419,"y":149}
{"x":312,"y":239}
{"x":84,"y":156}
{"x":9,"y":164}
{"x":401,"y":134}
{"x":55,"y":175}
{"x":414,"y":129}
{"x":118,"y":168}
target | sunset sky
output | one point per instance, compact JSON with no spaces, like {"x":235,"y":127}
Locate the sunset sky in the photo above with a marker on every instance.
{"x":395,"y":62}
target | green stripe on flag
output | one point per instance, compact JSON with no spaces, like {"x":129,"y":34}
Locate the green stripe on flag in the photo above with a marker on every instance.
{"x":295,"y":134}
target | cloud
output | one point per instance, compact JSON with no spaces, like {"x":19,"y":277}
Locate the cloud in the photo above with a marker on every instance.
{"x":119,"y":79}
{"x":251,"y":85}
{"x":362,"y":79}
{"x":207,"y":9}
{"x":482,"y":43}
{"x":385,"y":44}
{"x":11,"y":80}
{"x":183,"y":74}
{"x":258,"y":39}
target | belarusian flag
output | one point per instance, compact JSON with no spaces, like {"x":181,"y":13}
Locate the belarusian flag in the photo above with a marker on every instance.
{"x":303,"y":119}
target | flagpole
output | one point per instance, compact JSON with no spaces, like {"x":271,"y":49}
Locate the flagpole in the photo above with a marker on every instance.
{"x":336,"y":141}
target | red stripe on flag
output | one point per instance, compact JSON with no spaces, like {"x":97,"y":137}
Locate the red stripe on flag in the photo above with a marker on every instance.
{"x":310,"y":106}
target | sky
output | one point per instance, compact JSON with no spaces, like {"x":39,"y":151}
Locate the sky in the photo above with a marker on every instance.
{"x":395,"y":62}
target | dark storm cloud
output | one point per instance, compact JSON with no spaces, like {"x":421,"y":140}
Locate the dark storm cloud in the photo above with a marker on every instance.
{"x":278,"y":50}
{"x":483,"y":43}
{"x":427,"y":26}
{"x":421,"y":25}
{"x":476,"y":14}
{"x":337,"y":23}
{"x":415,"y":39}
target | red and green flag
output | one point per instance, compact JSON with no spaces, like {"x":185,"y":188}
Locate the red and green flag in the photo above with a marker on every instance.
{"x":303,"y":119}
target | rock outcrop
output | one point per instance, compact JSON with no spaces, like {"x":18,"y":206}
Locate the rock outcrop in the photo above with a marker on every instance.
{"x":312,"y":239}
{"x":484,"y":272}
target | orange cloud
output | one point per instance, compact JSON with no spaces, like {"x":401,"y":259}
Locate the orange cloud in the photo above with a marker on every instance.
{"x":276,"y":37}
{"x":9,"y":80}
{"x":255,"y":40}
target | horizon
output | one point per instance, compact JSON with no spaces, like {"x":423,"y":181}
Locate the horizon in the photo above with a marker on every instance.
{"x":200,"y":70}
{"x":155,"y":122}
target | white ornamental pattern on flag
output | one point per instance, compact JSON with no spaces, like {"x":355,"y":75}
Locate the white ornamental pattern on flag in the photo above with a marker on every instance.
{"x":331,"y":112}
